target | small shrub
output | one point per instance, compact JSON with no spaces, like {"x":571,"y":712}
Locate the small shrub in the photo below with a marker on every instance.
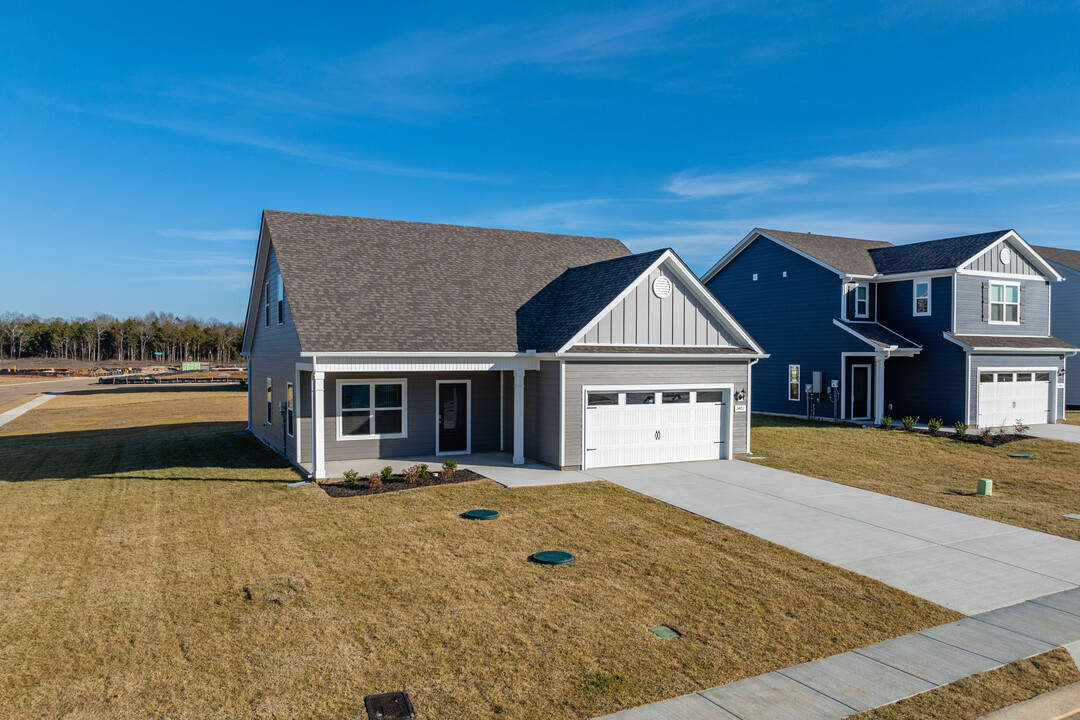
{"x":886,"y":421}
{"x":909,"y":422}
{"x":374,"y":481}
{"x":961,"y":428}
{"x":1020,"y":427}
{"x":1001,"y":430}
{"x":424,"y":471}
{"x":351,"y":477}
{"x":985,"y":434}
{"x":934,"y":424}
{"x":387,"y":473}
{"x":411,"y":475}
{"x":449,"y":467}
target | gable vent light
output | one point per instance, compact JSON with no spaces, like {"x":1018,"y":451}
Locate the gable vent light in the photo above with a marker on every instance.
{"x":1005,"y":255}
{"x":661,"y":287}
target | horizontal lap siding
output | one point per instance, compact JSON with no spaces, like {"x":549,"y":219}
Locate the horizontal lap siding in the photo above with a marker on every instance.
{"x":275,"y":351}
{"x":1065,"y":324}
{"x":1011,"y":362}
{"x":690,"y":374}
{"x":969,"y":308}
{"x":420,"y":399}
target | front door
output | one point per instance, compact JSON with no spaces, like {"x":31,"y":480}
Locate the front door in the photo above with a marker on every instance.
{"x":860,"y":392}
{"x":453,"y":418}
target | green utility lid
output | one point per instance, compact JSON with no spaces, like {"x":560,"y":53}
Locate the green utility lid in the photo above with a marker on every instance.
{"x":552,"y":557}
{"x":668,"y":633}
{"x":1021,"y":455}
{"x":481,"y":514}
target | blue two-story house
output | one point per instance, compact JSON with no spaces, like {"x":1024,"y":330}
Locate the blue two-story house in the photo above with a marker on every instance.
{"x":954,"y":329}
{"x":1065,"y":309}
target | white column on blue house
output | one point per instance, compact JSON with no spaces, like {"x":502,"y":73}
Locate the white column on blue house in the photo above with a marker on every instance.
{"x":879,"y":387}
{"x":519,"y":417}
{"x":318,"y":428}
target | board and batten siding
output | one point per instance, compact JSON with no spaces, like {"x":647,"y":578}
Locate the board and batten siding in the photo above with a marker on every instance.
{"x":642,"y":318}
{"x":1035,"y":312}
{"x":990,"y":261}
{"x":1011,"y":362}
{"x":1065,"y":324}
{"x":541,"y":414}
{"x":275,"y":350}
{"x":420,"y":402}
{"x":642,"y":372}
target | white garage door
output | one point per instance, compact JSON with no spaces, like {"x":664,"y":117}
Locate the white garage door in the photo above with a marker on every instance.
{"x":1006,"y":396}
{"x":635,"y":427}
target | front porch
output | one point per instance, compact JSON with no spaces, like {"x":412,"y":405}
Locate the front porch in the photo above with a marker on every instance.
{"x":498,"y":466}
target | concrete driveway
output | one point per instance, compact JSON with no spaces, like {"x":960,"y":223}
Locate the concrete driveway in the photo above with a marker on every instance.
{"x":1058,"y":431}
{"x":960,"y":561}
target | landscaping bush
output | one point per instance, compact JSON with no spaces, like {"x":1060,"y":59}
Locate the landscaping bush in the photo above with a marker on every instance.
{"x":934,"y":424}
{"x":424,"y":471}
{"x":909,"y":422}
{"x":351,"y":477}
{"x":387,"y":473}
{"x":985,"y":434}
{"x":449,"y":467}
{"x":1020,"y":427}
{"x":961,"y":428}
{"x":374,"y":481}
{"x":411,"y":475}
{"x":886,"y":422}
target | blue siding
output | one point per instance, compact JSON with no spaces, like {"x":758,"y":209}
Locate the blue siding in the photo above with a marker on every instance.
{"x":1065,"y":324}
{"x":1035,"y":312}
{"x":790,"y":317}
{"x":931,"y":384}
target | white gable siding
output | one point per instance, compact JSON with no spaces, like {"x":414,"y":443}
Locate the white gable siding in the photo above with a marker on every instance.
{"x":644,"y":319}
{"x":990,"y":261}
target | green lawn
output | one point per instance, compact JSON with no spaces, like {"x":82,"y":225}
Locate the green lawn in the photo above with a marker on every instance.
{"x":937,"y":471}
{"x":154,"y":565}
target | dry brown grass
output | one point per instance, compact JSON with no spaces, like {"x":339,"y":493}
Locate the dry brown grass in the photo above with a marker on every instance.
{"x":975,"y":696}
{"x":1031,"y":493}
{"x":19,"y":379}
{"x":1072,"y":417}
{"x":153,"y":565}
{"x":10,"y":404}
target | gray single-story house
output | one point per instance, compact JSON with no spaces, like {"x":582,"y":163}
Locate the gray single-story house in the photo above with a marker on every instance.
{"x":380,"y":339}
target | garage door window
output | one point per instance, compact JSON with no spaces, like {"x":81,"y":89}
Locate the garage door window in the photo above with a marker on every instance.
{"x":598,"y":399}
{"x":986,"y":377}
{"x":1023,"y":377}
{"x":710,"y":396}
{"x":1042,"y":377}
{"x":638,"y":398}
{"x":676,"y":397}
{"x":1005,"y":377}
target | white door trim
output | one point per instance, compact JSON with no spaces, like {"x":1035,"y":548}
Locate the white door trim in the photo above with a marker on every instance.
{"x":468,"y":417}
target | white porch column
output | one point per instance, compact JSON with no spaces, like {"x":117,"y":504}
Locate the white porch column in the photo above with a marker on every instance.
{"x":879,"y":388}
{"x":318,"y":428}
{"x":519,"y":417}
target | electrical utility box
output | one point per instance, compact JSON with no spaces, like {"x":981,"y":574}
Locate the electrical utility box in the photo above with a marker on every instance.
{"x":817,"y":383}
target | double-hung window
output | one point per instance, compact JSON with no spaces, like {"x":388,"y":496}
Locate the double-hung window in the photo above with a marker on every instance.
{"x":862,"y":301}
{"x":280,"y":300}
{"x":266,"y":303}
{"x":371,"y":409}
{"x":290,"y":410}
{"x":793,"y":382}
{"x":1004,"y":302}
{"x":921,"y":298}
{"x":269,"y":401}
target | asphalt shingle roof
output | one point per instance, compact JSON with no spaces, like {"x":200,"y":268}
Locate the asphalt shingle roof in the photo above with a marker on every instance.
{"x":848,"y":255}
{"x":553,"y":316}
{"x":941,"y":254}
{"x":1007,"y":341}
{"x":880,"y":335}
{"x":360,"y":284}
{"x":1061,"y":256}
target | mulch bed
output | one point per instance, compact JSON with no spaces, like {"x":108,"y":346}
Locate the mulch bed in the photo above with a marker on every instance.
{"x":396,"y":483}
{"x":995,"y":440}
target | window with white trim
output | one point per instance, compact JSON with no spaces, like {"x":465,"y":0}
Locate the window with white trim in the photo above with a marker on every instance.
{"x":862,"y":301}
{"x":266,"y":303}
{"x":793,"y":372}
{"x":280,"y":300}
{"x":290,"y":411}
{"x":920,"y":301}
{"x":1005,"y":303}
{"x":368,"y":410}
{"x":269,"y":401}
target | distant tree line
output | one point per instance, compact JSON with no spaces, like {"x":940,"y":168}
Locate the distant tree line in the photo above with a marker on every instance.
{"x":104,"y":337}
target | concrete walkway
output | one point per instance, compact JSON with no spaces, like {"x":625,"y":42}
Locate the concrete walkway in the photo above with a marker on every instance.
{"x":960,"y":561}
{"x":852,"y":682}
{"x":26,"y":407}
{"x":497,"y":466}
{"x":1058,"y":431}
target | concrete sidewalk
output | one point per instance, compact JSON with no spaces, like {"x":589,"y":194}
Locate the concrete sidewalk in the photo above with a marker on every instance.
{"x":843,"y":685}
{"x":963,"y":562}
{"x":26,"y":407}
{"x":1058,"y":431}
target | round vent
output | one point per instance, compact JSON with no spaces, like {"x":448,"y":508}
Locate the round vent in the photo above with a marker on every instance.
{"x":661,"y":287}
{"x":1005,"y":255}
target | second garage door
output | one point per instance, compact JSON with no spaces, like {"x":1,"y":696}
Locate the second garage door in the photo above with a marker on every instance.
{"x":639,"y":427}
{"x":1006,"y":396}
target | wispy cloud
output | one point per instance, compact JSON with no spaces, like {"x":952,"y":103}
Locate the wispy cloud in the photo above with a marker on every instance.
{"x":875,"y":159}
{"x":697,"y":186}
{"x":985,"y":183}
{"x":211,"y":235}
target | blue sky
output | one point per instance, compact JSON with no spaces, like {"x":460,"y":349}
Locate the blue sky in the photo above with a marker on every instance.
{"x":140,"y":142}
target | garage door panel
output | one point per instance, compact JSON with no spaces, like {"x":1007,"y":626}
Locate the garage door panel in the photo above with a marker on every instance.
{"x":1006,"y":396}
